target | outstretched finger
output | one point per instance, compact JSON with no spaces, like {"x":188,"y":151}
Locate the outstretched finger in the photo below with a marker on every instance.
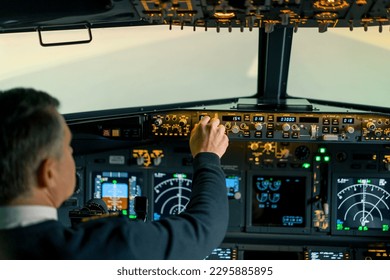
{"x":204,"y":119}
{"x":215,"y":120}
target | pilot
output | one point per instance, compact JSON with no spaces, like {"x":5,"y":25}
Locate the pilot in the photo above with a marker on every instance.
{"x":37,"y":174}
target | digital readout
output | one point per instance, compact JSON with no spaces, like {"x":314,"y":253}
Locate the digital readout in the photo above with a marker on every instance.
{"x":309,"y":120}
{"x":231,"y":118}
{"x":348,"y":120}
{"x":258,"y":118}
{"x":286,"y":119}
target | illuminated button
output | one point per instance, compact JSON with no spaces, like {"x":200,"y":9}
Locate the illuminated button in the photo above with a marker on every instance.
{"x":286,"y":134}
{"x":335,"y":121}
{"x":116,"y":132}
{"x":330,"y":137}
{"x":295,"y":134}
{"x":326,"y":121}
{"x":325,"y":129}
{"x":258,"y":134}
{"x":270,"y":134}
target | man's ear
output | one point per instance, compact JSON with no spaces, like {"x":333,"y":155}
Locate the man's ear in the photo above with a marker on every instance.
{"x":47,"y":173}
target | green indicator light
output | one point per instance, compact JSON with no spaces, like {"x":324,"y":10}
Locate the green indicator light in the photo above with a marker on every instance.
{"x":124,"y":212}
{"x":179,"y":175}
{"x":385,"y":228}
{"x":327,"y":158}
{"x":347,"y":228}
{"x":306,"y":165}
{"x":339,"y":227}
{"x":364,"y":181}
{"x":322,"y":150}
{"x":114,"y":181}
{"x":132,"y":216}
{"x":365,"y":228}
{"x":318,"y":158}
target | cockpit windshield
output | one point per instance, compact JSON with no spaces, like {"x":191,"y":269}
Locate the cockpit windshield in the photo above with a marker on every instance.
{"x":341,"y":66}
{"x":133,"y":66}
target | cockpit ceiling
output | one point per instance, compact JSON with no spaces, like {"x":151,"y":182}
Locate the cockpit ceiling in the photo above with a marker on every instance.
{"x":27,"y":15}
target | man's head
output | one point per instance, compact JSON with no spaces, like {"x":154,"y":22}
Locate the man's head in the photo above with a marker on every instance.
{"x":34,"y":147}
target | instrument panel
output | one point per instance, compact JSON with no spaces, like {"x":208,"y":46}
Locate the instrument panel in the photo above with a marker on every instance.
{"x":300,"y":185}
{"x":281,"y":126}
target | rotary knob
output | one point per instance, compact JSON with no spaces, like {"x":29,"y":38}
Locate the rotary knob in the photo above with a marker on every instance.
{"x":371,"y":126}
{"x":158,"y":121}
{"x":350,"y":129}
{"x":268,"y":147}
{"x":254,"y":146}
{"x":182,"y":122}
{"x":285,"y":127}
{"x":235,"y":129}
{"x":258,"y":126}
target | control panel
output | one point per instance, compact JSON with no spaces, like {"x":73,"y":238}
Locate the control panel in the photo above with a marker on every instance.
{"x":300,"y":185}
{"x":281,"y":126}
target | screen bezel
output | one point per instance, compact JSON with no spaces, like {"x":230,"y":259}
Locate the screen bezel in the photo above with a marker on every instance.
{"x":278,"y":229}
{"x":138,"y":174}
{"x":352,"y":232}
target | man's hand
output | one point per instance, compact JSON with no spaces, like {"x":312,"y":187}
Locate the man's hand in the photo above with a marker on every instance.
{"x":209,"y":136}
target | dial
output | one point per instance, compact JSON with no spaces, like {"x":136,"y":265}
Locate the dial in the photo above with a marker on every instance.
{"x":302,"y":152}
{"x":263,"y":185}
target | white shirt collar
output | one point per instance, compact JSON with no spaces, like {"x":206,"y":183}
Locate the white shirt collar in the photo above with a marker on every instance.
{"x":21,"y":216}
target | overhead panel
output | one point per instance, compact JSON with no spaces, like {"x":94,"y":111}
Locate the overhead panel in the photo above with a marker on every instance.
{"x":22,"y":15}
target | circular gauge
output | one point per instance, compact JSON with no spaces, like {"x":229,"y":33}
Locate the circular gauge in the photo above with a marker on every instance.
{"x":363,"y":204}
{"x":302,"y":152}
{"x":172,"y":192}
{"x":263,"y":185}
{"x":274,"y":197}
{"x":275,"y":185}
{"x":262,"y":197}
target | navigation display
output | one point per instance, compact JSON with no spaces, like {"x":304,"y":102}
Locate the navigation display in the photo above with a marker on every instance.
{"x":363,"y":205}
{"x":172,"y":192}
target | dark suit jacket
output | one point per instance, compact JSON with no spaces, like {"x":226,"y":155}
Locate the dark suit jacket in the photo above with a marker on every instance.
{"x":191,"y":235}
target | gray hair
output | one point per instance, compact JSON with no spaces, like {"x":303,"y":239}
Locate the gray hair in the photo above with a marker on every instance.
{"x":30,"y":131}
